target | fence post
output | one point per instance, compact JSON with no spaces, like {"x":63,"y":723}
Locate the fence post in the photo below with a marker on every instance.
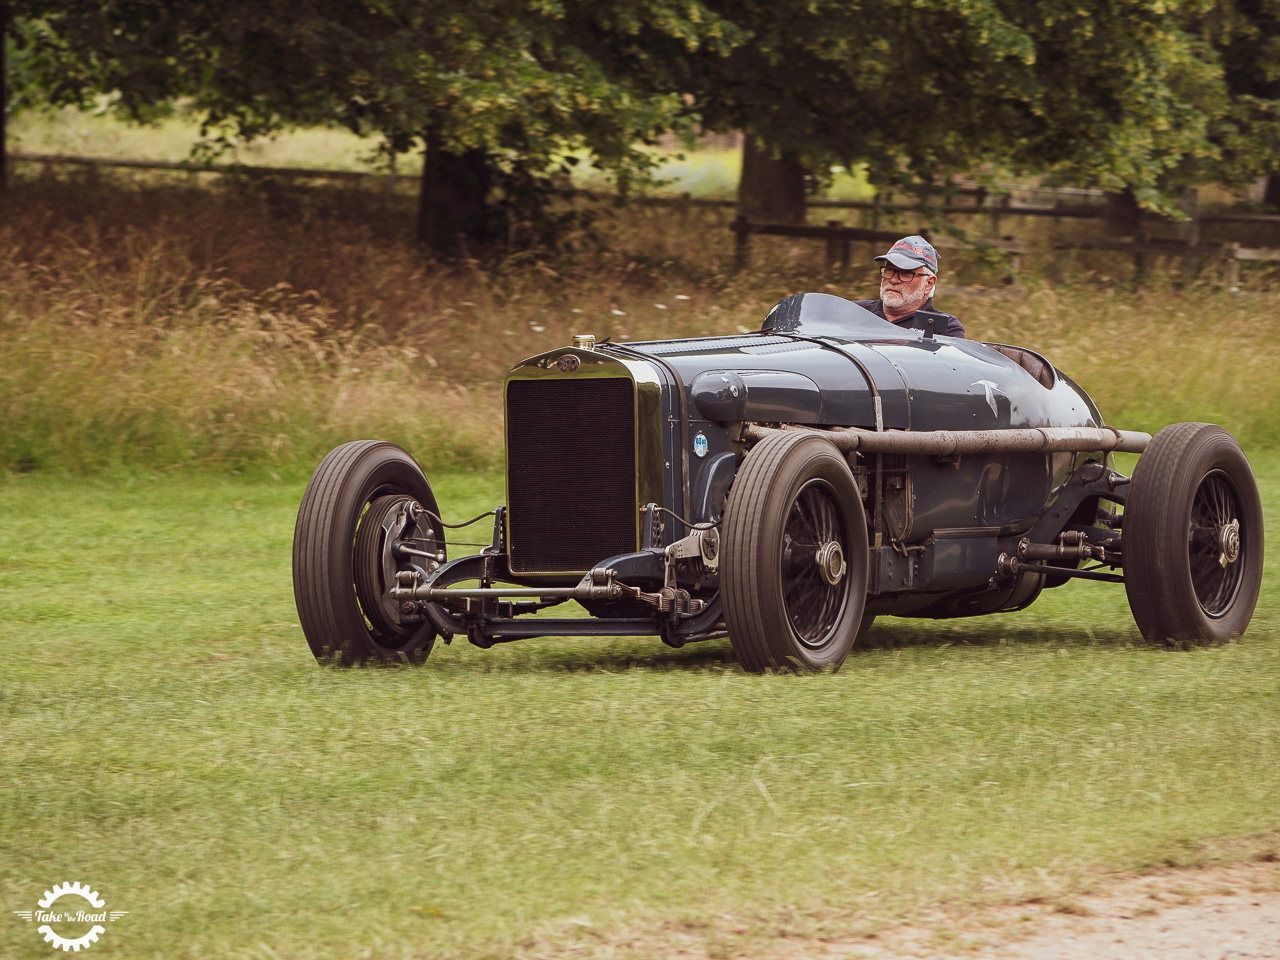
{"x":1230,"y":252}
{"x":1015,"y":262}
{"x":833,"y":245}
{"x":1190,"y":230}
{"x":741,"y":243}
{"x":1060,"y":265}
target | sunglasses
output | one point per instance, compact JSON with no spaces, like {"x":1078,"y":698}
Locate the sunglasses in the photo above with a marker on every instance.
{"x":904,"y":276}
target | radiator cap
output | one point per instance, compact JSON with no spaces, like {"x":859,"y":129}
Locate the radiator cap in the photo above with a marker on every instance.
{"x":584,"y":341}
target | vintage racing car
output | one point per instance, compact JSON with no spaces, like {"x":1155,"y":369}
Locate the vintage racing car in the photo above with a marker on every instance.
{"x":783,"y":488}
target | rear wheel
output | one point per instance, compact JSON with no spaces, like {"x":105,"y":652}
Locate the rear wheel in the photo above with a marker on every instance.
{"x":794,"y":567}
{"x":362,"y":499}
{"x":1193,"y":542}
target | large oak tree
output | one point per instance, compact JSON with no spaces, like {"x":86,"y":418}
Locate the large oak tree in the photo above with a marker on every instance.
{"x":1114,"y":93}
{"x":1131,"y":95}
{"x":500,"y":94}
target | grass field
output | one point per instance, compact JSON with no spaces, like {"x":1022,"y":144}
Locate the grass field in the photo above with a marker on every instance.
{"x":178,"y":357}
{"x":169,"y":740}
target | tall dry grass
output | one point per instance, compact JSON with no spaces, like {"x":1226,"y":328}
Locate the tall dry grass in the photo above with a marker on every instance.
{"x":151,"y":322}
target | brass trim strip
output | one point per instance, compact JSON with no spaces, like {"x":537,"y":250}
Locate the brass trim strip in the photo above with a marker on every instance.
{"x":683,"y":398}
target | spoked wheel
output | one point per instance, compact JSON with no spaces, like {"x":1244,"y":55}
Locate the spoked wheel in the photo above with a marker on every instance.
{"x":794,"y":567}
{"x":1214,"y":545}
{"x":364,"y":499}
{"x":1193,"y":542}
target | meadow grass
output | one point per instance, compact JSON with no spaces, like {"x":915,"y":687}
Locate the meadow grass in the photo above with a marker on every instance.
{"x":178,"y":357}
{"x":150,"y":324}
{"x":99,"y":133}
{"x":169,"y":740}
{"x":706,"y":172}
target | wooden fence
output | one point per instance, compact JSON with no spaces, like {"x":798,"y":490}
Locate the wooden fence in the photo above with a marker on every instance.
{"x":840,"y":239}
{"x":60,"y":159}
{"x":994,"y":203}
{"x":1140,"y":249}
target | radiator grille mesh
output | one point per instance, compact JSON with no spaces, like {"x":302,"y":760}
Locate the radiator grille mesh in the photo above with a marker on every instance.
{"x":571,"y":472}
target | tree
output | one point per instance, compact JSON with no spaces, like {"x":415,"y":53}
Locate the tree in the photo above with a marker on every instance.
{"x":4,"y":94}
{"x":16,"y":89}
{"x":1246,"y":36}
{"x":1110,"y":92}
{"x":771,"y":188}
{"x":500,"y":94}
{"x":1125,"y":94}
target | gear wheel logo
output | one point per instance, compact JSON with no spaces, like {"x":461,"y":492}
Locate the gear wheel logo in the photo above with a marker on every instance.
{"x":59,"y":906}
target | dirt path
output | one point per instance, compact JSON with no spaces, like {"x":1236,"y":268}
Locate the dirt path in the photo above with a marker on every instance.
{"x":1210,"y":914}
{"x":1223,"y":912}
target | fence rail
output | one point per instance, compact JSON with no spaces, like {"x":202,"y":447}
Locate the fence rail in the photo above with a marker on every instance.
{"x":995,"y":202}
{"x":984,"y":200}
{"x":187,"y":167}
{"x":839,"y":240}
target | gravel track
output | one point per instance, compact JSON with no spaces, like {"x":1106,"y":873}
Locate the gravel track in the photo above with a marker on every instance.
{"x":1203,"y":914}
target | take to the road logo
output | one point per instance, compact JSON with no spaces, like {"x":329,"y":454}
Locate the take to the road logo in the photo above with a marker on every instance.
{"x":64,"y":919}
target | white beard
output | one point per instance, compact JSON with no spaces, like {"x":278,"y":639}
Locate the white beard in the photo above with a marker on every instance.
{"x":895,"y":299}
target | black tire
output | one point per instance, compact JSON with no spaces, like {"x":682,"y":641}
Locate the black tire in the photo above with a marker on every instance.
{"x":341,"y":569}
{"x":1192,"y":482}
{"x":794,"y":490}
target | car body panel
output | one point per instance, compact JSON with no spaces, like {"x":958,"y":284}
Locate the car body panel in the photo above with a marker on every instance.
{"x":821,"y":361}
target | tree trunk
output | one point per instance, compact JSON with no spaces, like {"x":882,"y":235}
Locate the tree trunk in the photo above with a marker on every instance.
{"x":1123,"y":215}
{"x":453,"y":201}
{"x":771,"y":188}
{"x":1271,"y":195}
{"x":4,"y":97}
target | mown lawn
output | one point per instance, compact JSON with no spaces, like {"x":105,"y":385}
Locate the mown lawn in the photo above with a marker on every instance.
{"x":168,"y":739}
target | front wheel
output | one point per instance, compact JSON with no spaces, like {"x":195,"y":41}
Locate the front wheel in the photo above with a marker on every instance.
{"x":1193,"y":542}
{"x":794,"y":568}
{"x":363,"y":499}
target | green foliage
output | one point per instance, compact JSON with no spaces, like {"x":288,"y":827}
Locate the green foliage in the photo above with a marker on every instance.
{"x":21,"y":88}
{"x":1245,"y":37}
{"x":1105,"y":92}
{"x":517,"y":84}
{"x":1140,"y":94}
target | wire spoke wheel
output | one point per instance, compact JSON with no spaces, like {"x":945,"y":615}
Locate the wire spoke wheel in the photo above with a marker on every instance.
{"x":813,"y":603}
{"x":794,"y":567}
{"x":1213,"y":545}
{"x":1193,"y":538}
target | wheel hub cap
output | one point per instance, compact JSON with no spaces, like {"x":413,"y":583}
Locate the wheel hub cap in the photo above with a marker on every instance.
{"x":830,"y":560}
{"x":1229,"y":540}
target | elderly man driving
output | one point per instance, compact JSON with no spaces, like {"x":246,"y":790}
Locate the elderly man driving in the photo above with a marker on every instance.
{"x":908,"y":277}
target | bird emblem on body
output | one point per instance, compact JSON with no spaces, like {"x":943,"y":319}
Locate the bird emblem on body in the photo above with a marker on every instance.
{"x":991,"y":388}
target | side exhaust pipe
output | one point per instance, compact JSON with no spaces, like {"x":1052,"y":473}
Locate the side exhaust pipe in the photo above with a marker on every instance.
{"x":943,"y":443}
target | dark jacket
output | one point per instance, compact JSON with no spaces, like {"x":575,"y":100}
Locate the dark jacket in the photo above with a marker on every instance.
{"x":954,"y":327}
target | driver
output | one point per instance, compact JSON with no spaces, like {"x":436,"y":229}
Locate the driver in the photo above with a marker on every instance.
{"x":908,"y":277}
